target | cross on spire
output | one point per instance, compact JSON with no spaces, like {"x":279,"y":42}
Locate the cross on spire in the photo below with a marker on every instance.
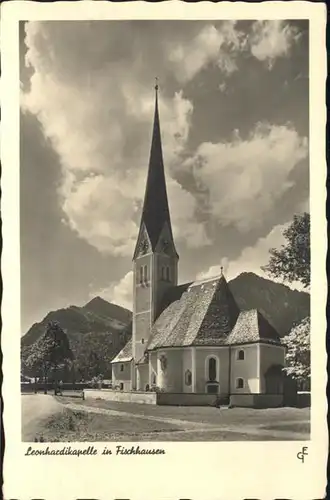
{"x":156,"y":83}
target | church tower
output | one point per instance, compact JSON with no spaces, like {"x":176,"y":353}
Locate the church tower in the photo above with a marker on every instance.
{"x":155,"y":259}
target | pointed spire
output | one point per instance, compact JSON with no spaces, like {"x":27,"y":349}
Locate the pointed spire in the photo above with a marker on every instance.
{"x":155,"y":212}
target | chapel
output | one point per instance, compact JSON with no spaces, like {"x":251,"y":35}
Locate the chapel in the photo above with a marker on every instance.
{"x":192,"y":338}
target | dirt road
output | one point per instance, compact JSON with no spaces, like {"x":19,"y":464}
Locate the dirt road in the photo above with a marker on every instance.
{"x":35,"y":409}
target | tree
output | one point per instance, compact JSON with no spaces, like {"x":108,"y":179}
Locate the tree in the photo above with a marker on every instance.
{"x":292,"y":261}
{"x":50,"y":352}
{"x":298,"y":351}
{"x":93,"y":355}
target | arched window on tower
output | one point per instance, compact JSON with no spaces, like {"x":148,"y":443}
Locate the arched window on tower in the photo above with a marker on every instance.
{"x":167,"y":273}
{"x":240,"y":355}
{"x":141,"y":274}
{"x":212,"y":369}
{"x":145,"y":274}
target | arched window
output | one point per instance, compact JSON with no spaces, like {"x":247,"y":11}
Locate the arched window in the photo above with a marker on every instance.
{"x":239,"y":383}
{"x":141,"y":274}
{"x":212,"y":369}
{"x":121,"y":368}
{"x":147,"y":387}
{"x":121,"y":386}
{"x":167,"y":273}
{"x":153,"y":379}
{"x":142,"y":341}
{"x":145,"y":273}
{"x":240,"y":355}
{"x":188,"y":377}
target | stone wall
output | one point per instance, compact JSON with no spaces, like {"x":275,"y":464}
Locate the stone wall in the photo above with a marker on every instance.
{"x":303,"y":400}
{"x":186,"y":399}
{"x":125,"y":397}
{"x":257,"y":400}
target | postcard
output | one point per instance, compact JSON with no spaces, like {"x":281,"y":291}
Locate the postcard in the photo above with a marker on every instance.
{"x":164,"y":248}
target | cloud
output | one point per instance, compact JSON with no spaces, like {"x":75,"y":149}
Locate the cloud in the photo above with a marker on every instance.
{"x":95,"y":101}
{"x":120,"y":293}
{"x":251,"y":259}
{"x":97,"y":110}
{"x":218,"y":46}
{"x":246,"y":178}
{"x":272,"y":39}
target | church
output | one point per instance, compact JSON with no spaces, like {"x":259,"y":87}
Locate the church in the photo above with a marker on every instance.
{"x":190,"y":341}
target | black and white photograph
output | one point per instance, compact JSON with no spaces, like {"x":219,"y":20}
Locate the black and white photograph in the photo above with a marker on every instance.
{"x":165,"y":230}
{"x":167,"y":217}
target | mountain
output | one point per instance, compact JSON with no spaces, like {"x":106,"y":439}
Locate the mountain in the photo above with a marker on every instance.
{"x":280,"y":305}
{"x":98,"y":315}
{"x":104,"y":309}
{"x":98,"y":330}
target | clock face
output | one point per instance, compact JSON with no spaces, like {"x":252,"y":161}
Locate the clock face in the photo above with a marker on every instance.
{"x":144,"y":246}
{"x":165,"y":246}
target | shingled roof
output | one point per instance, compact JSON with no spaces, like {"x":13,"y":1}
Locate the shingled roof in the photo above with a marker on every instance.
{"x":126,"y":354}
{"x":204,"y":315}
{"x":251,"y":326}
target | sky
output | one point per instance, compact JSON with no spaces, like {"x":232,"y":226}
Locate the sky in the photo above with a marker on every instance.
{"x":233,"y":104}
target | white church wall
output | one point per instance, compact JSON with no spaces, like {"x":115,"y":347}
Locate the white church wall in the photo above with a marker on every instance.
{"x":169,"y":369}
{"x":142,"y":377}
{"x":142,"y":304}
{"x":153,"y":368}
{"x":269,"y":355}
{"x":222,"y":356}
{"x":246,"y":369}
{"x":121,"y":375}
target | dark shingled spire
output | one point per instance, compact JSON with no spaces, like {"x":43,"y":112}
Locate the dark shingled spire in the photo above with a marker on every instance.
{"x":155,"y":212}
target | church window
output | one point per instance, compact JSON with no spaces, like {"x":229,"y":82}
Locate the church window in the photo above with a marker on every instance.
{"x":147,"y":387}
{"x":141,"y":274}
{"x":167,"y":273}
{"x":153,"y":380}
{"x":239,"y":383}
{"x":240,"y":355}
{"x":145,"y":273}
{"x":212,"y":369}
{"x":121,"y":386}
{"x":188,"y":377}
{"x":142,"y":341}
{"x":121,"y":368}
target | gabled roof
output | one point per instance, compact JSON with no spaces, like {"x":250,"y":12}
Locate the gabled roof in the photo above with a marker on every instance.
{"x":155,"y":212}
{"x":251,"y":326}
{"x":203,"y":315}
{"x":126,"y":354}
